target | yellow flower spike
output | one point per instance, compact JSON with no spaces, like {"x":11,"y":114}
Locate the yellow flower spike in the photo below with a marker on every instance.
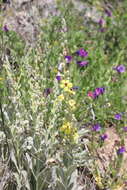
{"x":61,"y":97}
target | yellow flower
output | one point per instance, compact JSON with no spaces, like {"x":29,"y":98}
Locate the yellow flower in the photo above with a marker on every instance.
{"x":66,"y":85}
{"x":61,"y":97}
{"x":71,"y":92}
{"x":99,"y":181}
{"x":70,"y":132}
{"x":72,"y":103}
{"x":1,"y":78}
{"x":66,"y":128}
{"x":55,"y":70}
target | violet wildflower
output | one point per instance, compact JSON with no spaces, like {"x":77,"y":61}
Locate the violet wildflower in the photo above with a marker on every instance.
{"x":101,"y":22}
{"x":99,"y":91}
{"x":96,"y":127}
{"x":58,"y":77}
{"x":108,"y":12}
{"x":96,"y":93}
{"x":120,"y":68}
{"x":104,"y":136}
{"x":5,"y":28}
{"x":121,"y":150}
{"x":47,"y":91}
{"x":125,"y":129}
{"x":81,"y":52}
{"x":102,"y":90}
{"x":75,"y":87}
{"x":102,"y":29}
{"x":82,"y":63}
{"x":68,"y":58}
{"x":118,"y":116}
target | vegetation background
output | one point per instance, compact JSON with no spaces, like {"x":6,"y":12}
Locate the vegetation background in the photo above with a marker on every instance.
{"x":63,"y":93}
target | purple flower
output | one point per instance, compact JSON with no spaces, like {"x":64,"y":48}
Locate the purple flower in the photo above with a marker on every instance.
{"x":125,"y":129}
{"x":99,"y":91}
{"x":96,"y":93}
{"x":108,"y":12}
{"x":121,"y":150}
{"x":58,"y":77}
{"x":118,"y":116}
{"x":75,"y":87}
{"x":120,"y":68}
{"x":102,"y":29}
{"x":96,"y":127}
{"x":81,"y":52}
{"x":104,"y":136}
{"x":101,"y":22}
{"x":68,"y":58}
{"x":82,"y":63}
{"x":47,"y":91}
{"x":5,"y":28}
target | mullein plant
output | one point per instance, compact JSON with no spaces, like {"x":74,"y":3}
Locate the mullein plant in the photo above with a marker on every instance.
{"x":39,"y":112}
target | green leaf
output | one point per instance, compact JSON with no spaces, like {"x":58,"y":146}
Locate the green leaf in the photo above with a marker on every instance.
{"x":60,"y":173}
{"x":25,"y":179}
{"x":13,"y":158}
{"x":60,"y":185}
{"x":18,"y":180}
{"x":70,"y":170}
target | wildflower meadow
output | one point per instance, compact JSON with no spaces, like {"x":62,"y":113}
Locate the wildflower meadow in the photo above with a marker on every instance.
{"x":63,"y":102}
